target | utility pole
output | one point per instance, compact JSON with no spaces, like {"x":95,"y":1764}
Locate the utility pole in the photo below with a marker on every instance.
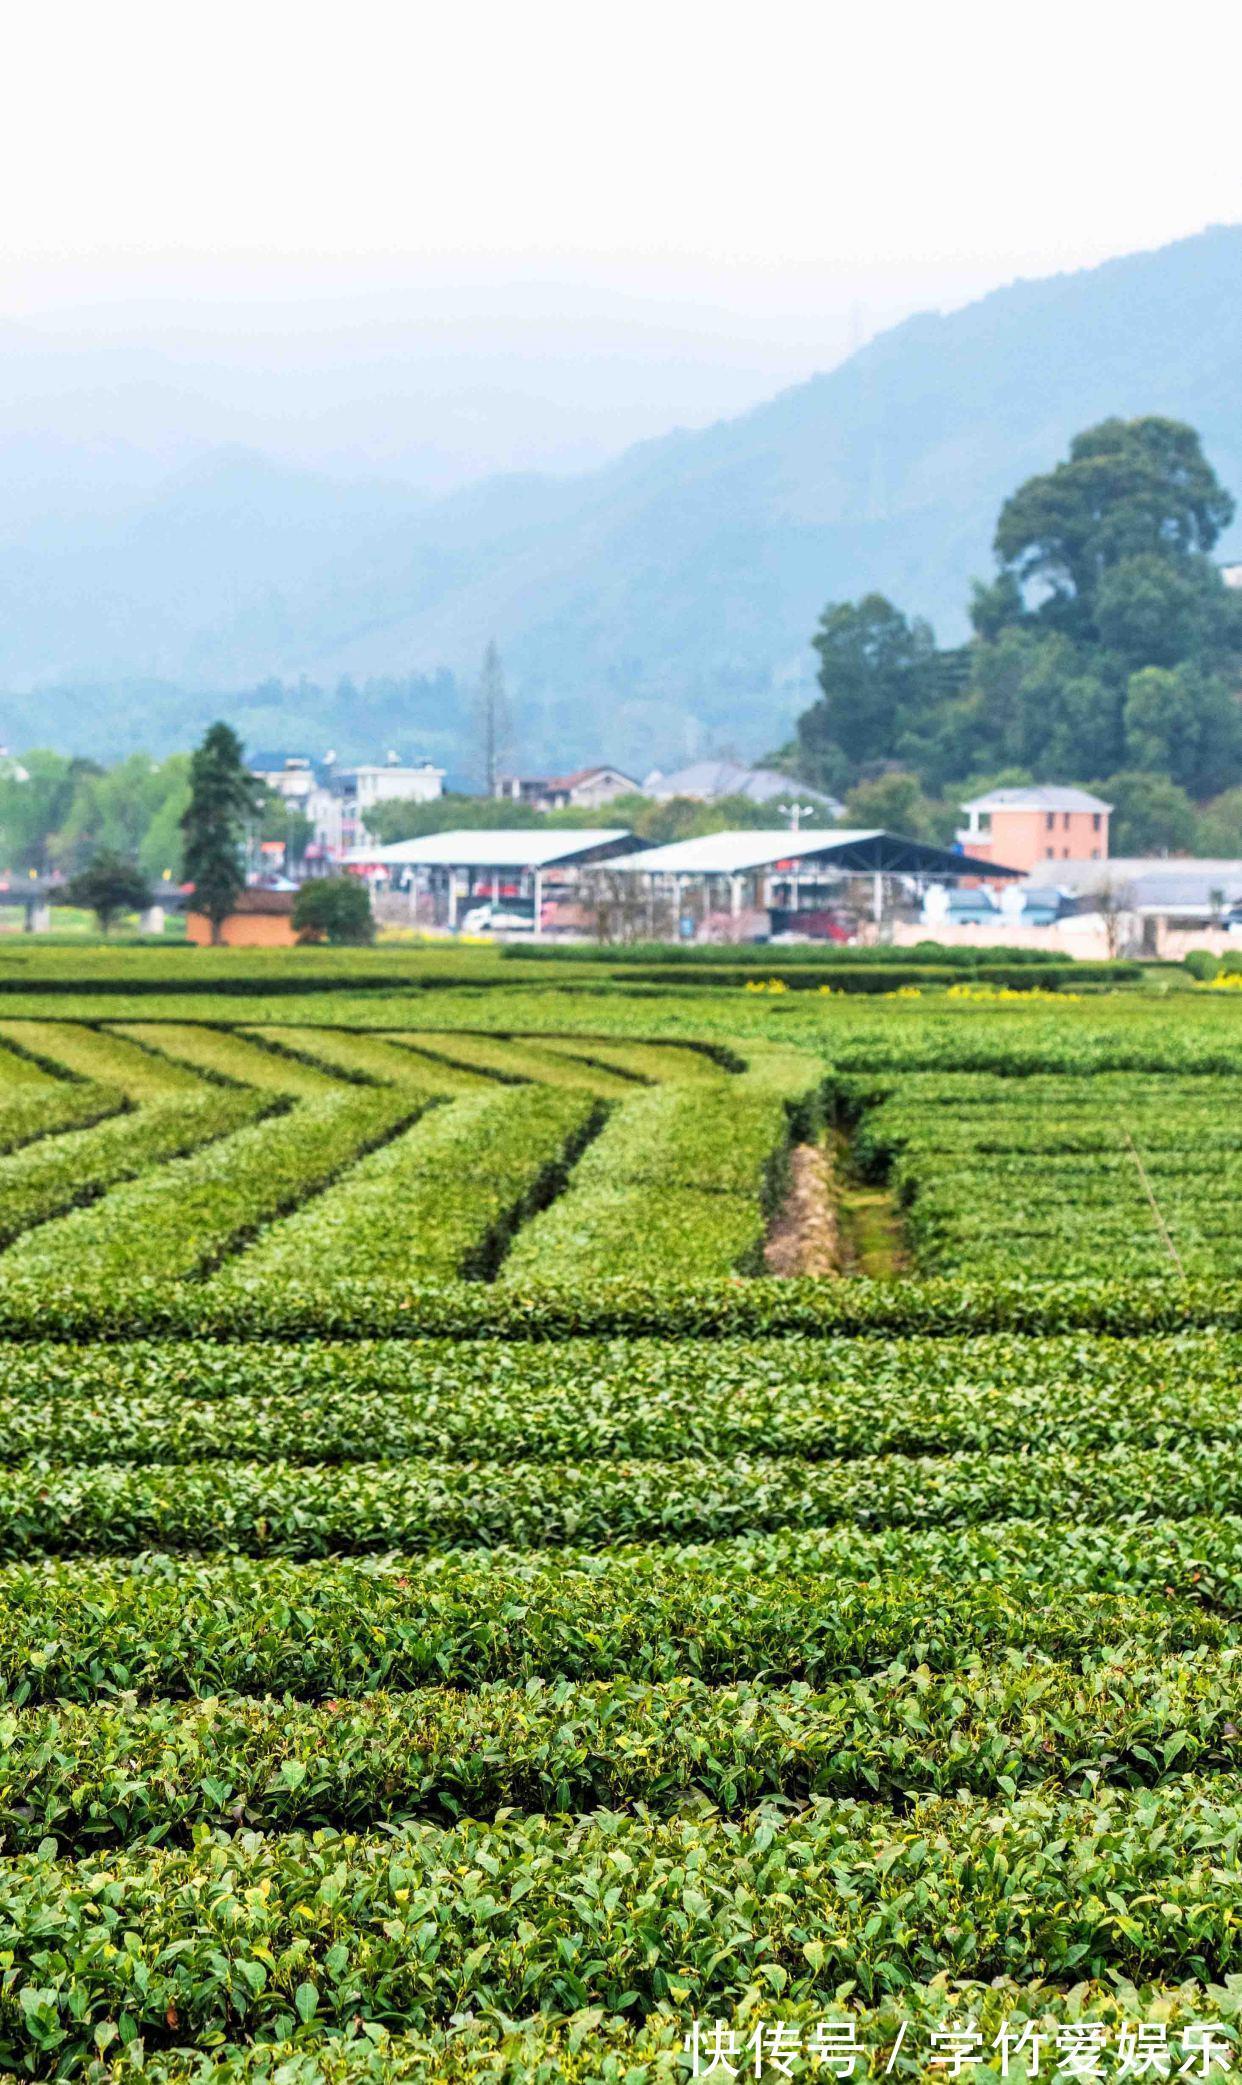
{"x":491,"y":718}
{"x":795,"y":813}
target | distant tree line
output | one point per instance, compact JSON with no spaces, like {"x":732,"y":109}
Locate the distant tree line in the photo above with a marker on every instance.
{"x":675,"y":818}
{"x":1107,"y":650}
{"x":57,"y":813}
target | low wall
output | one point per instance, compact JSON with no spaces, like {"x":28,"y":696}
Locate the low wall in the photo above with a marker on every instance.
{"x":1084,"y":936}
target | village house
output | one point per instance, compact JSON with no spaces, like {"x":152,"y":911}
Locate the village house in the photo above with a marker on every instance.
{"x":1031,"y":826}
{"x":584,"y":790}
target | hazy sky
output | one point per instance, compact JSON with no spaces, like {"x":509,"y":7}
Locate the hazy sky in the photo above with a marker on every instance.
{"x":790,"y":150}
{"x":545,"y":188}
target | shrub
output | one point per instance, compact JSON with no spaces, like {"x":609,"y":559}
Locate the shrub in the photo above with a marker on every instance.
{"x":335,"y":909}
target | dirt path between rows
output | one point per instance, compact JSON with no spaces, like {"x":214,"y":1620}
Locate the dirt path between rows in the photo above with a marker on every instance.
{"x":803,"y":1235}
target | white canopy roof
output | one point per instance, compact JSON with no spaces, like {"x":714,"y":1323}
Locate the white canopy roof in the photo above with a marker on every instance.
{"x":856,"y":852}
{"x":503,"y":847}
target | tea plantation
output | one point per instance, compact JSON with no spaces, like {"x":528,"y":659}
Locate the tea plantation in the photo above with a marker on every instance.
{"x":464,"y":1617}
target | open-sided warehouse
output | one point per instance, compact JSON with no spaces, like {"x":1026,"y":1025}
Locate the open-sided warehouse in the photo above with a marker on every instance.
{"x":780,"y":870}
{"x":446,"y":873}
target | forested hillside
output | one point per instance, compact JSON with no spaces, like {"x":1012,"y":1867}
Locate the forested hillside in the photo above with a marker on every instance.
{"x":660,"y":604}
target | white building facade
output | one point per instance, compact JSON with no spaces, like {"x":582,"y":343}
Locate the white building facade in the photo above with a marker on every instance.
{"x":336,"y":800}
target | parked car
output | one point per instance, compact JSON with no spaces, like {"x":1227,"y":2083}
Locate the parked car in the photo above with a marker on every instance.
{"x":496,"y":919}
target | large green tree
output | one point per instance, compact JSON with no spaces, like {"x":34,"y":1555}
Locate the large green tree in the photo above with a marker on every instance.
{"x":133,"y":810}
{"x":1107,"y":642}
{"x":877,"y":675}
{"x":109,"y":886}
{"x":1129,"y":490}
{"x":223,"y":796}
{"x":37,"y":794}
{"x":1220,"y":827}
{"x":1183,"y":724}
{"x":1151,"y":815}
{"x":896,"y":803}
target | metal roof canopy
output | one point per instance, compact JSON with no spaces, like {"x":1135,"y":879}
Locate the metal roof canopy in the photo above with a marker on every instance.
{"x":865,"y":852}
{"x":1147,"y":883}
{"x":500,"y":847}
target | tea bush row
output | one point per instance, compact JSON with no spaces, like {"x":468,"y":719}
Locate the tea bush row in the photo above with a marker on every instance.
{"x":441,"y":1200}
{"x":181,"y":1402}
{"x":315,"y":1509}
{"x":177,"y":1218}
{"x":229,"y":1307}
{"x":33,"y":1104}
{"x":120,"y":1772}
{"x":625,"y":1913}
{"x":84,"y":1630}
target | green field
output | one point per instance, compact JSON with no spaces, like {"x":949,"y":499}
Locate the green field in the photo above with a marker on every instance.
{"x":463,"y":1616}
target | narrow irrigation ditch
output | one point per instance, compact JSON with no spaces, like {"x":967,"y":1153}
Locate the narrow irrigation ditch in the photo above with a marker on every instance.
{"x":833,"y":1220}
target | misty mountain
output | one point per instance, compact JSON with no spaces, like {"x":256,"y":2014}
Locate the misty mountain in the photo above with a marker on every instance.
{"x":647,"y":609}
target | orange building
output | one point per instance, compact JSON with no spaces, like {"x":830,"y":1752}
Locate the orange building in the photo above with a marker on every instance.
{"x":1029,"y":827}
{"x":260,"y":919}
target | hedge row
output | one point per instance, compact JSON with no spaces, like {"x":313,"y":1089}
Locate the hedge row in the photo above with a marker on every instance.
{"x":442,"y":1200}
{"x":1018,"y":1041}
{"x":65,"y":1173}
{"x":647,"y":1063}
{"x":233,"y":1057}
{"x":170,"y":1402}
{"x":876,"y":978}
{"x":230,"y":1308}
{"x":640,"y":1232}
{"x":180,"y":1218}
{"x":373,"y":1059}
{"x":569,"y":1392}
{"x":895,"y":2037}
{"x":243,"y":1936}
{"x":1197,"y":1558}
{"x":164,"y":1625}
{"x":676,"y":1184}
{"x":33,"y":1104}
{"x":946,"y":1147}
{"x":711,"y":955}
{"x":265,"y":1509}
{"x":121,"y":1772}
{"x":28,"y":1116}
{"x":516,"y":1061}
{"x":145,"y":1076}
